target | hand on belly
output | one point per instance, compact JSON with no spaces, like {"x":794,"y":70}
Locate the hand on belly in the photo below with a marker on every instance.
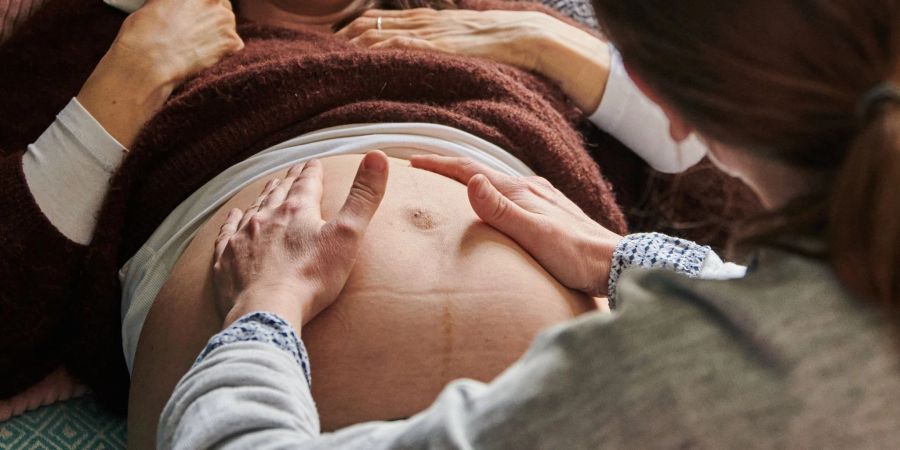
{"x":435,"y":295}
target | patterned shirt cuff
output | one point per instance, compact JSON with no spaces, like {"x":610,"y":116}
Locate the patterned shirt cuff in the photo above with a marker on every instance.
{"x":262,"y":327}
{"x":655,"y":251}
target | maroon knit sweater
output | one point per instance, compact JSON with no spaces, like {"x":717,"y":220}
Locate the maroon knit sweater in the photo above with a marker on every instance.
{"x":59,"y":302}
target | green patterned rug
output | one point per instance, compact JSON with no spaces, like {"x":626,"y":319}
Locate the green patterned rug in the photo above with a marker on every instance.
{"x":75,"y":424}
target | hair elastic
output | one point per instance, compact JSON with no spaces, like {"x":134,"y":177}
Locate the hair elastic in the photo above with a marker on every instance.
{"x":868,"y":103}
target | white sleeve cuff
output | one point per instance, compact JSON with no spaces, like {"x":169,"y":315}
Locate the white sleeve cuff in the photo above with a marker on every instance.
{"x":632,"y":118}
{"x":714,"y":269}
{"x":68,"y":170}
{"x":128,"y":6}
{"x":101,"y":145}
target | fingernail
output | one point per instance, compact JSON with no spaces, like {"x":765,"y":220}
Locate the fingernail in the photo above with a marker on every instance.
{"x":374,"y":164}
{"x":484,"y":188}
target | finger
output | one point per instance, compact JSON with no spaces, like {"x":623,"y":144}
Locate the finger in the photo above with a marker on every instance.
{"x":372,"y":37}
{"x":254,"y":208}
{"x":270,"y":188}
{"x":400,"y":13}
{"x":276,"y":198}
{"x":460,"y":169}
{"x":403,"y":42}
{"x":226,"y":4}
{"x":500,"y":212}
{"x":227,"y":231}
{"x":307,"y":190}
{"x":365,"y":195}
{"x":370,"y":22}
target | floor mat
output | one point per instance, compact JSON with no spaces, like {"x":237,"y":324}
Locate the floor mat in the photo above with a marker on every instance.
{"x":75,"y":424}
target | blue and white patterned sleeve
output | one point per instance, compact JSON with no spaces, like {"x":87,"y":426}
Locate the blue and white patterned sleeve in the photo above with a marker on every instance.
{"x":266,"y":328}
{"x":656,"y":251}
{"x":579,"y":10}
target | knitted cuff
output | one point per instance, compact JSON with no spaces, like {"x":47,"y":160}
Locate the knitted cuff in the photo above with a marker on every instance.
{"x":262,"y":327}
{"x":655,"y":251}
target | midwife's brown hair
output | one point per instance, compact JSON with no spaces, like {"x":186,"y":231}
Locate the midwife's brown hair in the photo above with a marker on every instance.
{"x":784,"y":79}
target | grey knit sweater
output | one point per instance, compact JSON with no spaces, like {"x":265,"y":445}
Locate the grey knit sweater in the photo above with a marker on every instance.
{"x":782,"y":358}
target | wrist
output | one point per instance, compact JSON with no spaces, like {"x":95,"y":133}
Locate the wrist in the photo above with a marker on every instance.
{"x":289,"y":301}
{"x":601,"y":250}
{"x":577,"y":61}
{"x":122,"y":95}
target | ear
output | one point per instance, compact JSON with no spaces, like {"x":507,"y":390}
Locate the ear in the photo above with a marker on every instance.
{"x":678,"y":128}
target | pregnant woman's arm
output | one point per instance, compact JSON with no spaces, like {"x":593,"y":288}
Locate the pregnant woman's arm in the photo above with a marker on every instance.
{"x":583,"y":65}
{"x":50,"y":193}
{"x":69,"y":166}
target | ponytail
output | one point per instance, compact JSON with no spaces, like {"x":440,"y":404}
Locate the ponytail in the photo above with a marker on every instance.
{"x":864,"y":225}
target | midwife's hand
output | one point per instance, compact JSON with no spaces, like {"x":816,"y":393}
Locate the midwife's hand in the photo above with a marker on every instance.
{"x":557,"y":233}
{"x":158,"y":47}
{"x":578,"y":61}
{"x":280,"y":256}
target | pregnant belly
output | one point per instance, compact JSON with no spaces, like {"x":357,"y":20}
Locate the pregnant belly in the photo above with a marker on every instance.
{"x":435,"y":295}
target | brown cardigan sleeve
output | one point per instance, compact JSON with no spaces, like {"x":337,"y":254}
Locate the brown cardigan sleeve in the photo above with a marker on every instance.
{"x":38,"y":265}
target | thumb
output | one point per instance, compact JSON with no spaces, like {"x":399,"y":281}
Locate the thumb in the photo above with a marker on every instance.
{"x":365,"y":194}
{"x":499,"y":211}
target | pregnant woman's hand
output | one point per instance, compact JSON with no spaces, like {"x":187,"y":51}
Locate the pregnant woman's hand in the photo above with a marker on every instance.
{"x":575,"y":59}
{"x":575,"y":249}
{"x":158,"y":47}
{"x":281,"y":256}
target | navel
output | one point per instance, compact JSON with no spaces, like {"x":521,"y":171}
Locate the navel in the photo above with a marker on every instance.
{"x":422,"y":218}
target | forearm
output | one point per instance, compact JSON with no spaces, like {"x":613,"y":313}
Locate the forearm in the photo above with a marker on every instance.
{"x":286,"y":301}
{"x":576,"y":60}
{"x":250,"y":383}
{"x":122,"y":94}
{"x":68,"y":170}
{"x":592,"y":75}
{"x":632,"y":118}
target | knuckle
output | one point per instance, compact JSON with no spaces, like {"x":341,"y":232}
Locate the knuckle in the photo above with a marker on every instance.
{"x":422,"y":12}
{"x":356,"y":27}
{"x":501,"y":210}
{"x":230,"y":17}
{"x":292,"y":206}
{"x":370,"y":35}
{"x":345,"y":229}
{"x":255,"y":223}
{"x":536,"y":189}
{"x":365,"y":193}
{"x":519,"y":184}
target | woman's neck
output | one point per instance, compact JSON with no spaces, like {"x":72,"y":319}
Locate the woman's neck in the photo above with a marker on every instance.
{"x":316,"y":14}
{"x":775,"y":183}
